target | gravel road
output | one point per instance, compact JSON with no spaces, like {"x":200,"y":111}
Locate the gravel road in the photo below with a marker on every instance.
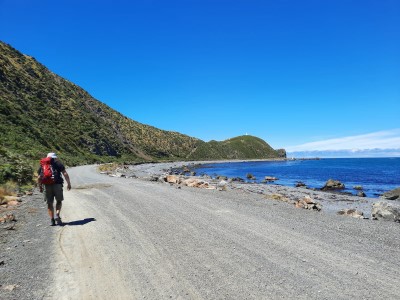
{"x":135,"y":239}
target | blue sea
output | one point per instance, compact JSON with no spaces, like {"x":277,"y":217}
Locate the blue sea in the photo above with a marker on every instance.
{"x":375,"y":175}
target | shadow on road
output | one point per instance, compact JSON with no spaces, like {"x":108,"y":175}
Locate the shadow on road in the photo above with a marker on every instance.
{"x":79,"y":222}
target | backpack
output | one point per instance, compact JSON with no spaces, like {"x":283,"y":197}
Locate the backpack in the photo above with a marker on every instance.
{"x":48,"y":173}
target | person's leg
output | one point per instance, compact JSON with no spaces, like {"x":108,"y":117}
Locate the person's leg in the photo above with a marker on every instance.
{"x":58,"y":209}
{"x":50,"y":209}
{"x":58,"y":191}
{"x":49,"y":198}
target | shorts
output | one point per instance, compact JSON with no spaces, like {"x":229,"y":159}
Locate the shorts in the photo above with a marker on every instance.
{"x":52,"y":191}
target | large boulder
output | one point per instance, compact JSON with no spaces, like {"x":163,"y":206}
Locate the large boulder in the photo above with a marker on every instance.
{"x":185,"y":169}
{"x":8,"y":218}
{"x":392,"y":195}
{"x":222,"y":183}
{"x":351,"y":213}
{"x":238,"y":179}
{"x":250,"y":176}
{"x":308,"y":203}
{"x":386,"y":211}
{"x":331,"y":185}
{"x":300,"y":184}
{"x":195,"y":182}
{"x":270,"y":178}
{"x":361,"y":194}
{"x":173,"y":179}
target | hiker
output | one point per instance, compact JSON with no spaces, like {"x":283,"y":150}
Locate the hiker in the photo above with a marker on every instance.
{"x":49,"y":176}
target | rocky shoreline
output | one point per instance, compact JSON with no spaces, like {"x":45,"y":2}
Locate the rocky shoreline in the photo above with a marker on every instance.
{"x":328,"y":201}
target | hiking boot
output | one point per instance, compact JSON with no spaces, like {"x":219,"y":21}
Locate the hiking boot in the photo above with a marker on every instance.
{"x":53,"y":222}
{"x":58,"y":221}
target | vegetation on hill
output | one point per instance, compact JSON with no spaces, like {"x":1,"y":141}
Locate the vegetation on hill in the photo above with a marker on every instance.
{"x":13,"y":167}
{"x":42,"y":112}
{"x":241,"y":147}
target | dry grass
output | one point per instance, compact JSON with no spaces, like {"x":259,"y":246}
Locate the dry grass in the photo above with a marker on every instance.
{"x":108,"y":167}
{"x":6,"y":190}
{"x":277,"y":197}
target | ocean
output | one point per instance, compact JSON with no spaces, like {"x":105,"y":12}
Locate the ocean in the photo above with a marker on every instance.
{"x":375,"y":175}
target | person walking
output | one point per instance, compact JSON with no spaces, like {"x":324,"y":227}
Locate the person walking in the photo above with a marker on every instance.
{"x":49,"y":177}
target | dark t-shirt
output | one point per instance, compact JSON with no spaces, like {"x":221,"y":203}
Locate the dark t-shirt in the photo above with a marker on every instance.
{"x":58,"y":169}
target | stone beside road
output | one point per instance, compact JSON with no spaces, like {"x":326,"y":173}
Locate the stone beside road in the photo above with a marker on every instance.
{"x":386,"y":211}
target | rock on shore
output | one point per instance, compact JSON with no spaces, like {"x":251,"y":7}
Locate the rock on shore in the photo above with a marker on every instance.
{"x":386,"y":211}
{"x":333,"y":185}
{"x":392,"y":195}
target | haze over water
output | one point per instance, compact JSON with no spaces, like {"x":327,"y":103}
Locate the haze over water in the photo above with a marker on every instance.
{"x":375,"y":175}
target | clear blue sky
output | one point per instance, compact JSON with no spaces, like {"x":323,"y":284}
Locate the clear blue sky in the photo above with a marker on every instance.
{"x":290,"y":72}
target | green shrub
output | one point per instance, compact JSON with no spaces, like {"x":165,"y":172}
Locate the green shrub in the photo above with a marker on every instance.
{"x":15,"y":168}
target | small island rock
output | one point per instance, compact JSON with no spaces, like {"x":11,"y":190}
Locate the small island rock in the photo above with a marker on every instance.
{"x":270,"y":178}
{"x":333,"y":185}
{"x":250,"y":176}
{"x":361,"y":194}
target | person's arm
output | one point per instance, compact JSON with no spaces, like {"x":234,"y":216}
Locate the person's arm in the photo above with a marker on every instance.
{"x":66,"y":176}
{"x":39,"y":180}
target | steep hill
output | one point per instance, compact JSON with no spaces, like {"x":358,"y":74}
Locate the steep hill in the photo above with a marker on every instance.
{"x":41,"y":112}
{"x":241,"y":147}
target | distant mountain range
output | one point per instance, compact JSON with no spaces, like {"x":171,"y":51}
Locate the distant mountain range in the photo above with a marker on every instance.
{"x":42,"y":112}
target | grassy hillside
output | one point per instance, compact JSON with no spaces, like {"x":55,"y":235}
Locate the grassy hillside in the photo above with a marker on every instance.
{"x":42,"y":112}
{"x":241,"y":147}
